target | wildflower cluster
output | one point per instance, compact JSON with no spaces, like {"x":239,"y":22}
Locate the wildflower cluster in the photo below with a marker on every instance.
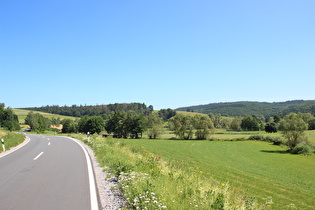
{"x":147,"y":200}
{"x":127,"y":179}
{"x":136,"y":188}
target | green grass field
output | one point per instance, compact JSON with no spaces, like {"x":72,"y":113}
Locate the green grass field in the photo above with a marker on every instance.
{"x":254,"y":168}
{"x":22,"y":113}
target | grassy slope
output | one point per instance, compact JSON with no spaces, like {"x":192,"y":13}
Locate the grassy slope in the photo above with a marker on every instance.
{"x":255,"y":168}
{"x":189,"y":113}
{"x":22,"y":113}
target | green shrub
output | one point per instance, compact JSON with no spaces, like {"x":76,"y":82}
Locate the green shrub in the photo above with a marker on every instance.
{"x":302,"y":148}
{"x":219,"y":202}
{"x":257,"y":138}
{"x":275,"y":140}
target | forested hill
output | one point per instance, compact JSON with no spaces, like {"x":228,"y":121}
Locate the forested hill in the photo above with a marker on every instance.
{"x":244,"y":108}
{"x":78,"y":111}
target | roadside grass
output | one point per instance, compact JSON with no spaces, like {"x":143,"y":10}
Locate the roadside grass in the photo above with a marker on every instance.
{"x":11,"y":139}
{"x":22,"y":113}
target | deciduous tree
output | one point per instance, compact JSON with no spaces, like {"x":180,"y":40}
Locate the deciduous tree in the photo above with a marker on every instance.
{"x":8,"y":119}
{"x":271,"y":127}
{"x":236,"y":124}
{"x":93,"y":124}
{"x":37,"y":122}
{"x":154,"y":125}
{"x":292,"y":127}
{"x":69,"y":126}
{"x":182,"y":126}
{"x":203,"y":126}
{"x":250,"y":123}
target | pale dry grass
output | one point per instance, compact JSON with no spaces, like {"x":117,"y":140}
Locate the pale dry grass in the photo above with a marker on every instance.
{"x":2,"y":133}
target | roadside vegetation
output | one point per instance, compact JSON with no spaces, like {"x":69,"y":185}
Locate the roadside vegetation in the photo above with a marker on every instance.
{"x":10,"y":139}
{"x":151,"y":181}
{"x":186,"y":174}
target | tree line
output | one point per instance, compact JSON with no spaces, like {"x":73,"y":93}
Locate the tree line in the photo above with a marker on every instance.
{"x":79,"y":111}
{"x":256,"y":122}
{"x":244,"y":108}
{"x":123,"y":124}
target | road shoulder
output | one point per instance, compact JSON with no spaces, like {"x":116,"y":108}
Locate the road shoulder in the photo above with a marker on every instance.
{"x":110,"y":197}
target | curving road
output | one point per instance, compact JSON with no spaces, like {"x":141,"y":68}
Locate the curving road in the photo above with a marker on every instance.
{"x":49,"y":172}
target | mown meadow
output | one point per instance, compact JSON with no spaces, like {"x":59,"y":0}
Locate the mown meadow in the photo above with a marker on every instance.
{"x":254,"y":168}
{"x":185,"y":174}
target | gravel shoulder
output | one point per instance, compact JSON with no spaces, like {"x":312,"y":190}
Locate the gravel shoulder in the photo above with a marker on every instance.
{"x":110,"y":197}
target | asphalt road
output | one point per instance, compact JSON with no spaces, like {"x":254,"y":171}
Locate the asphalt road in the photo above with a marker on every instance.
{"x":49,"y":172}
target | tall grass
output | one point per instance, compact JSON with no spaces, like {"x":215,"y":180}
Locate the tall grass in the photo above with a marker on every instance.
{"x":149,"y":181}
{"x":10,"y":139}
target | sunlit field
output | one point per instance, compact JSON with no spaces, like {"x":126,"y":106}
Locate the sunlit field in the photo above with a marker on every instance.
{"x":247,"y":174}
{"x":254,"y":168}
{"x":22,"y":113}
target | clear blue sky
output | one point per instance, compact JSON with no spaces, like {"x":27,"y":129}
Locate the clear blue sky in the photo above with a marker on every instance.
{"x":166,"y":53}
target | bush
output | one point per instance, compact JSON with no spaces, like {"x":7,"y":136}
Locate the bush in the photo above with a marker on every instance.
{"x":257,"y":138}
{"x":302,"y":148}
{"x":274,"y":140}
{"x":271,"y":128}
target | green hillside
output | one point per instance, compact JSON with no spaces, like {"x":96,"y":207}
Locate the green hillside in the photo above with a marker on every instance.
{"x":22,"y":113}
{"x":244,"y":108}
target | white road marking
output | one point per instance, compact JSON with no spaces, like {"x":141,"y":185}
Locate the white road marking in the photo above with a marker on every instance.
{"x":93,"y":194}
{"x":38,"y":156}
{"x":48,"y":143}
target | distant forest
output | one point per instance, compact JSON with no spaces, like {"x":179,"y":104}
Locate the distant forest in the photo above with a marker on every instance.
{"x":78,"y":111}
{"x":229,"y":109}
{"x":244,"y":108}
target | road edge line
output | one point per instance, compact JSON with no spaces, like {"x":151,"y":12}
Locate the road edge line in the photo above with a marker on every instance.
{"x":93,"y":191}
